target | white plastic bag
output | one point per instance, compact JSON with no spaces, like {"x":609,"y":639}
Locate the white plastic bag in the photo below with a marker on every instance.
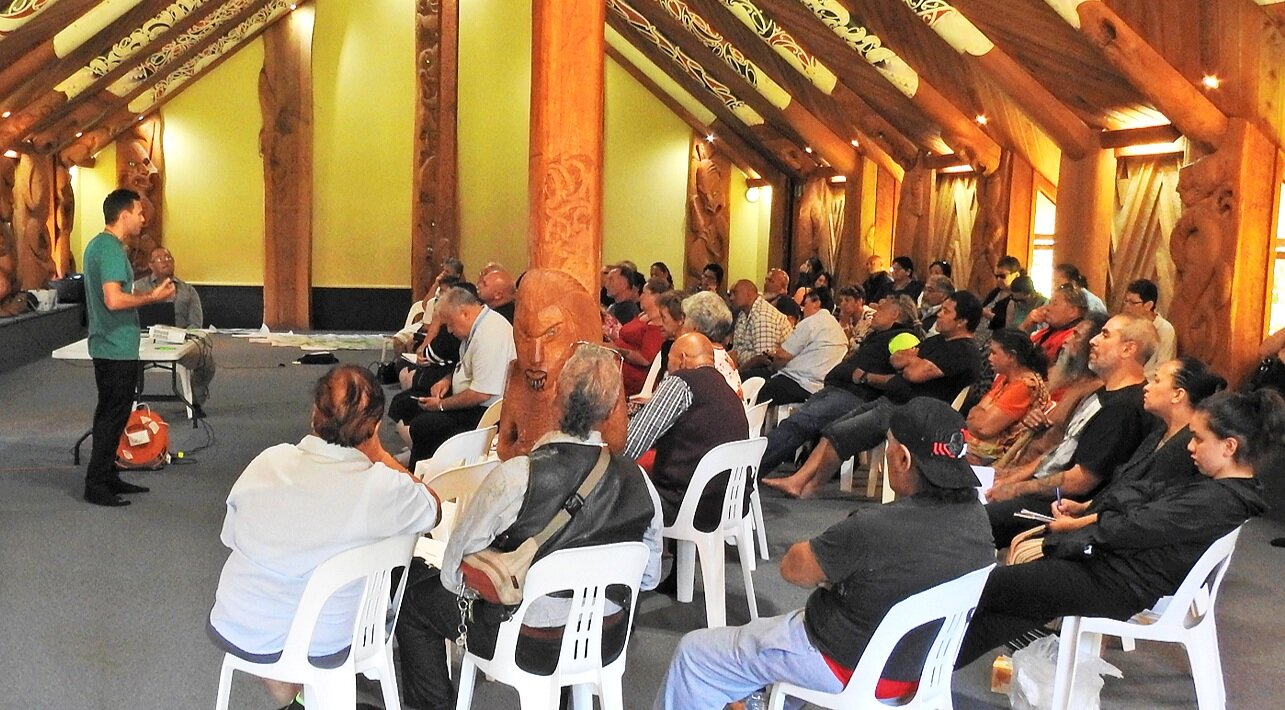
{"x":1035,"y":667}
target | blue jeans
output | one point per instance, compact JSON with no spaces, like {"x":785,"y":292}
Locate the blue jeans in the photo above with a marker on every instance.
{"x":713,"y":667}
{"x":805,"y":423}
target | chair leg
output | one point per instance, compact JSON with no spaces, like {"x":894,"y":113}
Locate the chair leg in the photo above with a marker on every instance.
{"x":776,"y":700}
{"x":756,"y":506}
{"x":1207,"y":668}
{"x":331,"y":691}
{"x":582,"y":696}
{"x":611,"y":695}
{"x":745,"y":548}
{"x":1067,"y":650}
{"x":845,"y":476}
{"x":388,"y":680}
{"x":686,"y":561}
{"x":713,"y":575}
{"x":872,"y":479}
{"x":225,"y":687}
{"x":539,"y":696}
{"x":468,"y":676}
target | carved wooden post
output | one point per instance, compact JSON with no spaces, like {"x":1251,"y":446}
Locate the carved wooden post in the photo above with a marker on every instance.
{"x":913,"y":212}
{"x":63,"y":221}
{"x":566,"y":137}
{"x":435,"y":209}
{"x":1085,"y":214}
{"x":990,"y":227}
{"x":140,"y":166}
{"x":709,"y":180}
{"x":285,"y":98}
{"x":8,"y":244}
{"x":33,"y":202}
{"x":779,"y":221}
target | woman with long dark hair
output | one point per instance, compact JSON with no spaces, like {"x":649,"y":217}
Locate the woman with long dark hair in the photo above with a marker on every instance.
{"x":996,"y":422}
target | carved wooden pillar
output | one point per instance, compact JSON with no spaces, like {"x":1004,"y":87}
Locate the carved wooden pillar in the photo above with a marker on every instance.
{"x":1021,"y":210}
{"x":1219,"y":247}
{"x":33,"y":202}
{"x":887,"y":193}
{"x":285,"y":98}
{"x":709,"y":180}
{"x":848,"y":259}
{"x":990,"y":227}
{"x":140,"y":166}
{"x":435,"y":210}
{"x":1084,"y":216}
{"x":566,"y":137}
{"x":8,"y":244}
{"x":64,"y":220}
{"x":913,"y":212}
{"x":779,"y":221}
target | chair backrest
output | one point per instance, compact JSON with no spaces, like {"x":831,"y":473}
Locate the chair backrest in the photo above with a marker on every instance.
{"x":1199,"y":590}
{"x":457,"y":484}
{"x":649,"y":384}
{"x":750,"y":389}
{"x":952,"y":602}
{"x":959,"y":400}
{"x":465,"y":447}
{"x":756,"y":415}
{"x":742,"y":458}
{"x":373,"y":564}
{"x":491,"y":416}
{"x":586,"y":572}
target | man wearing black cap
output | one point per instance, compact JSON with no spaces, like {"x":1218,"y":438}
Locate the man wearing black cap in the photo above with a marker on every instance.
{"x":858,"y":570}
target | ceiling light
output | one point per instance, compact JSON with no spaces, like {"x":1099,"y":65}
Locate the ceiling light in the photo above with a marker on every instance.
{"x":6,"y":114}
{"x":981,"y":119}
{"x":1209,"y":81}
{"x":11,"y":154}
{"x":836,"y":179}
{"x":751,"y":194}
{"x":855,"y":144}
{"x":79,"y":133}
{"x":807,"y":149}
{"x":709,"y":138}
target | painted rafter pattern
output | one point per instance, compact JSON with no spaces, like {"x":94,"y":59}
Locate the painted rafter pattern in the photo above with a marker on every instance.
{"x":172,"y":50}
{"x":740,"y":109}
{"x":783,"y":43}
{"x":952,"y":26}
{"x":865,"y":43}
{"x":126,"y":47}
{"x":19,"y":13}
{"x":724,"y":50}
{"x":193,"y":66}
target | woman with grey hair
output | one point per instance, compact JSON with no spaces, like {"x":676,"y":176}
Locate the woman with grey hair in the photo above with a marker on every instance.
{"x":707,"y":313}
{"x":517,"y":500}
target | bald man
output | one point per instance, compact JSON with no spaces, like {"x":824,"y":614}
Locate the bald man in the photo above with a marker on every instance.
{"x":760,"y":328}
{"x":495,"y":288}
{"x":692,"y":411}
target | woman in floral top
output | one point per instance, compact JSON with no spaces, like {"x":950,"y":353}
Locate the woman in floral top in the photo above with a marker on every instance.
{"x":995,"y":423}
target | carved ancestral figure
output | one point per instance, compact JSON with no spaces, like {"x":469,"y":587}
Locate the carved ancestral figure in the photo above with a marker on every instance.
{"x":140,"y":166}
{"x":1200,"y":245}
{"x":554,"y":312}
{"x":32,"y":203}
{"x":708,"y":222}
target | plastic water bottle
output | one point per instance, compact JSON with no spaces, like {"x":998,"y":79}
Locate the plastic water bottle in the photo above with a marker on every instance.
{"x":757,"y":700}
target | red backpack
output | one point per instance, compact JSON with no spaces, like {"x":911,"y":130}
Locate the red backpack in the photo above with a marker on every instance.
{"x":145,"y":442}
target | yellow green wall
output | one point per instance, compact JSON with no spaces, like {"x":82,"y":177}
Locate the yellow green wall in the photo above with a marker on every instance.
{"x":363,"y":127}
{"x":363,"y":118}
{"x":91,"y":186}
{"x":750,"y":222}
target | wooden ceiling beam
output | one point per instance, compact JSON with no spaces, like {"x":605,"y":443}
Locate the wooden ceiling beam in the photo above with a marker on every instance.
{"x":1071,"y":134}
{"x":77,"y":150}
{"x":59,"y":99}
{"x":1177,"y":98}
{"x":714,"y":103}
{"x":673,"y":31}
{"x":1148,"y":135}
{"x":800,"y":103}
{"x":31,"y":46}
{"x":805,"y":20}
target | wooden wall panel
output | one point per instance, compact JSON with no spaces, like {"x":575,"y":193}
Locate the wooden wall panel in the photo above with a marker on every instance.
{"x":914,"y":212}
{"x":990,"y":227}
{"x":709,"y":180}
{"x":435,"y":210}
{"x":140,"y":166}
{"x":8,"y":243}
{"x":33,"y":202}
{"x":1084,"y":215}
{"x":285,"y":95}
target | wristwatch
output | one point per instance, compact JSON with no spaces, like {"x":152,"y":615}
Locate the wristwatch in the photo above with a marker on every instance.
{"x":865,"y":378}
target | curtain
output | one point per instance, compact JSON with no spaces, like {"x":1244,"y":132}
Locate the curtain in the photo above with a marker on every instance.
{"x":1147,"y":207}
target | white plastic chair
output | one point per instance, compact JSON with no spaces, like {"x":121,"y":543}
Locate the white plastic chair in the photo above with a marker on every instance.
{"x":586,"y":572}
{"x":952,"y":602}
{"x":653,"y":374}
{"x":750,"y":390}
{"x":742,"y":458}
{"x":1186,"y":618}
{"x":463,"y":448}
{"x":371,"y":653}
{"x":454,"y":487}
{"x":491,"y":416}
{"x":756,"y":414}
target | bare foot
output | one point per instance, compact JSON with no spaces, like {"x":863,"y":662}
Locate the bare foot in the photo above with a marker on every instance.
{"x":792,"y":486}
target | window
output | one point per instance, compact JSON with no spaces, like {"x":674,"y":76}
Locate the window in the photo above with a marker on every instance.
{"x":1042,"y":262}
{"x":1276,"y":310}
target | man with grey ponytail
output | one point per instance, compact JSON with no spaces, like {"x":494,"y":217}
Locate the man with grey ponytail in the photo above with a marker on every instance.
{"x":517,"y":500}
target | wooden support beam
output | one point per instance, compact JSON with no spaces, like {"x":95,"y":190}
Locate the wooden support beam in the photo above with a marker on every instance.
{"x":714,"y":97}
{"x":942,"y":162}
{"x":914,"y":210}
{"x":1066,"y":129}
{"x":776,"y":111}
{"x":707,"y":237}
{"x":567,"y":138}
{"x":1178,"y":99}
{"x":1021,"y":210}
{"x":1084,"y":219}
{"x":33,"y":204}
{"x":779,"y":224}
{"x":435,"y":229}
{"x":285,"y":97}
{"x":31,"y":45}
{"x":1126,"y":137}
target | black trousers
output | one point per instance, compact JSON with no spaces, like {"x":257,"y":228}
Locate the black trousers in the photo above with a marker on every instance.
{"x":1021,"y":598}
{"x":116,"y":381}
{"x":782,"y":390}
{"x":1005,"y":525}
{"x":431,"y":428}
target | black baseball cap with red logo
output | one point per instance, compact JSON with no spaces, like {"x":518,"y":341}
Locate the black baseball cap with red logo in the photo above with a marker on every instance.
{"x":934,"y":434}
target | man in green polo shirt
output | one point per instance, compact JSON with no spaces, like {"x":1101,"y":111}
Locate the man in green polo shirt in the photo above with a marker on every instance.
{"x":113,"y":340}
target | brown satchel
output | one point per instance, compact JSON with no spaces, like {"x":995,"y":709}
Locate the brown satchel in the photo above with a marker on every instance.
{"x":497,"y":576}
{"x":1027,"y":546}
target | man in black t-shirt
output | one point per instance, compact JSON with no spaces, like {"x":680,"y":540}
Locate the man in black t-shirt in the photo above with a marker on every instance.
{"x":939,"y":368}
{"x":1118,"y":355}
{"x":858,"y":570}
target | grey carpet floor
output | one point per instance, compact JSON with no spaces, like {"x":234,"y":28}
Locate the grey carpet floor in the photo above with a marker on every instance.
{"x":104,"y":608}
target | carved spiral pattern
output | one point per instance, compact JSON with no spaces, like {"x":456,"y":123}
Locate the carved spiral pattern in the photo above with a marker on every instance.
{"x":783,"y":43}
{"x":161,"y":58}
{"x":739,"y":108}
{"x":865,"y":43}
{"x":724,"y":50}
{"x":126,"y":47}
{"x":20,"y":13}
